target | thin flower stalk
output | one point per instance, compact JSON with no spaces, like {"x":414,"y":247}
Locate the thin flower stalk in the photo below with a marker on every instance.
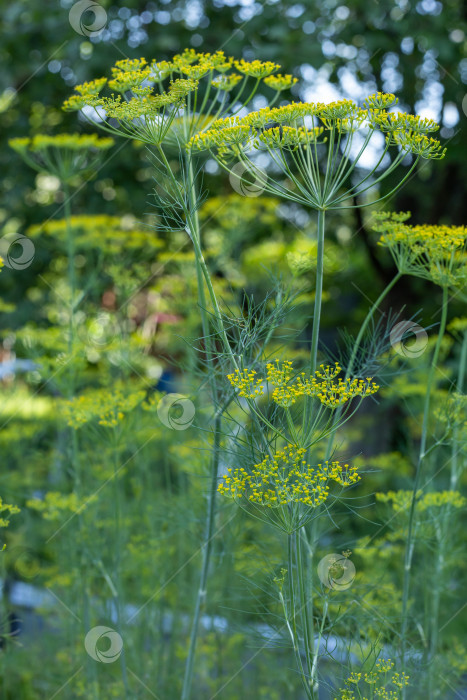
{"x":409,"y":547}
{"x":158,"y":113}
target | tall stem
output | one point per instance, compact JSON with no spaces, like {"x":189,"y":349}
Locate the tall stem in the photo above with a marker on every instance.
{"x":318,"y":291}
{"x":460,"y":389}
{"x":317,"y":308}
{"x":117,"y":559}
{"x":206,"y":553}
{"x":409,"y":547}
{"x":305,"y":597}
{"x":308,"y":601}
{"x":443,"y":529}
{"x":296,"y":609}
{"x":202,"y":277}
{"x":434,"y":610}
{"x":70,"y":246}
{"x":74,"y":443}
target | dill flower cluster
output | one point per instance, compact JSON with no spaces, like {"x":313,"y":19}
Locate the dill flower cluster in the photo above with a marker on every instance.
{"x":334,"y":393}
{"x":400,"y":500}
{"x":100,"y":231}
{"x":245,"y":381}
{"x":383,"y":683}
{"x":55,"y":504}
{"x":292,"y":135}
{"x":7,"y":510}
{"x":324,"y":385}
{"x":344,"y":116}
{"x":458,"y":325}
{"x":285,"y":483}
{"x":63,"y":155}
{"x":185,"y":95}
{"x":436,"y":253}
{"x":109,"y":407}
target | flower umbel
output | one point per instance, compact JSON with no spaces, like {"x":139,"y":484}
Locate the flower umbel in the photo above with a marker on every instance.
{"x":435,"y":253}
{"x":63,"y":155}
{"x":286,"y":485}
{"x":300,"y":126}
{"x":245,"y":381}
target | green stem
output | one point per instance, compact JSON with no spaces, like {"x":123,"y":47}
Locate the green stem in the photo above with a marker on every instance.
{"x":206,"y":553}
{"x":320,"y":636}
{"x":318,"y":291}
{"x":117,"y":556}
{"x":74,"y":444}
{"x":294,"y":612}
{"x":308,"y":603}
{"x":70,"y":244}
{"x":442,"y":537}
{"x":308,"y":637}
{"x":204,"y":277}
{"x":409,"y":547}
{"x":434,"y":613}
{"x":460,"y":389}
{"x":317,"y":308}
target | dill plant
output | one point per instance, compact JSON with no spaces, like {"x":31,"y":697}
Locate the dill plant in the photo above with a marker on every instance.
{"x":201,"y":89}
{"x":195,"y":103}
{"x":439,"y":255}
{"x":310,"y":144}
{"x":70,"y":158}
{"x":199,"y":102}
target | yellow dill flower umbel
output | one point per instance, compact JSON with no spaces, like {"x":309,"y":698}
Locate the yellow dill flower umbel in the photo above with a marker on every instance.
{"x":280,"y":82}
{"x":245,"y":381}
{"x":72,"y":142}
{"x":108,"y":408}
{"x":62,"y":155}
{"x":324,"y":385}
{"x":381,"y":683}
{"x":7,"y":510}
{"x":256,"y":69}
{"x":287,"y":485}
{"x":149,"y":105}
{"x":435,"y":253}
{"x":226,"y":83}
